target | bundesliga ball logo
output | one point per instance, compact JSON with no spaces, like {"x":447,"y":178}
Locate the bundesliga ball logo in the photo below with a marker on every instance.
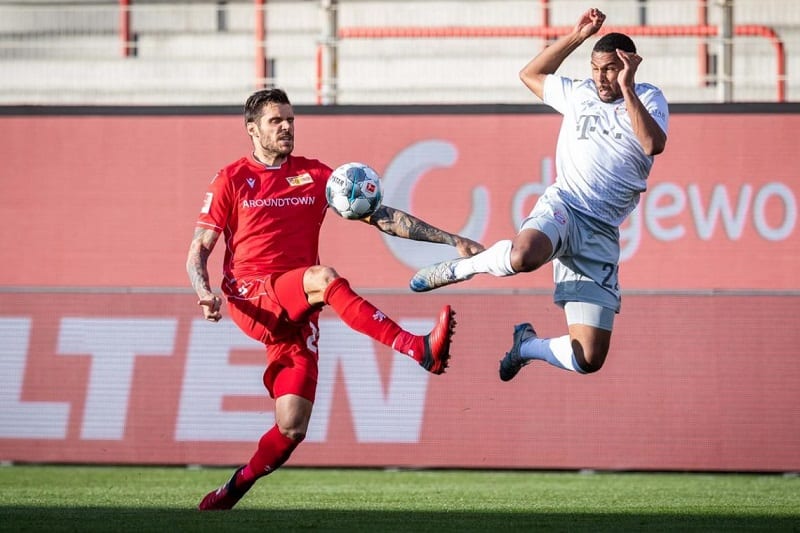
{"x":354,"y":190}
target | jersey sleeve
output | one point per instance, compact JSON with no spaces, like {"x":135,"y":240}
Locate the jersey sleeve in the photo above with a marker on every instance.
{"x":216,"y":204}
{"x":322,"y":172}
{"x":656,"y":104}
{"x":556,"y":92}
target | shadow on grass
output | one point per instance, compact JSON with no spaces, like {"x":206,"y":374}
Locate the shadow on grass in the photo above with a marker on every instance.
{"x":138,"y":520}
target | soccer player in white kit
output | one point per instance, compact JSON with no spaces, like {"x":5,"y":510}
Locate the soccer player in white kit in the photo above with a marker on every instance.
{"x":612,"y":129}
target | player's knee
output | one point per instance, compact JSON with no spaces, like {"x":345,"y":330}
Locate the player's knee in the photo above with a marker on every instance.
{"x":526,"y":256}
{"x":520,"y":260}
{"x":589,"y":367}
{"x":296,"y":436}
{"x":294,"y":433}
{"x":590,"y":344}
{"x":319,"y":275}
{"x":317,"y":278}
{"x":590,"y":358}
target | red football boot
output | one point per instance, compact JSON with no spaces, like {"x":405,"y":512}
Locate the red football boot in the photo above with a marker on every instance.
{"x":226,"y":496}
{"x":437,"y":342}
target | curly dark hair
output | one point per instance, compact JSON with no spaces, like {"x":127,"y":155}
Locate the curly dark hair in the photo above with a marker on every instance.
{"x":610,"y":42}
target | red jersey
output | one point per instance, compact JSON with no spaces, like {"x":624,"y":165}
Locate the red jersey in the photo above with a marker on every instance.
{"x":270,"y":216}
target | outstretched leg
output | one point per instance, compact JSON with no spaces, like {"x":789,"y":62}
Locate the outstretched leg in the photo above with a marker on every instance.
{"x":583,"y":351}
{"x":432,"y":351}
{"x":274,"y":449}
{"x":529,"y":250}
{"x":292,"y":415}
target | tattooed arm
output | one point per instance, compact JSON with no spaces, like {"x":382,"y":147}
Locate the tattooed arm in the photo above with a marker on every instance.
{"x":197,"y":268}
{"x":400,"y":224}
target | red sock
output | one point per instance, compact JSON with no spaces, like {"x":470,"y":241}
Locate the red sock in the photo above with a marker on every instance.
{"x":364,"y":317}
{"x":273,"y":450}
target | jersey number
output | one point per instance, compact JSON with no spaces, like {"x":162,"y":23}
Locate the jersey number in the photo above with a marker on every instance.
{"x":611,"y":271}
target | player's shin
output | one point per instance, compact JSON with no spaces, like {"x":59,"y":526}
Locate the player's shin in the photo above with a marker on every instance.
{"x":495,"y":260}
{"x":557,"y":351}
{"x":359,"y":314}
{"x":274,"y":449}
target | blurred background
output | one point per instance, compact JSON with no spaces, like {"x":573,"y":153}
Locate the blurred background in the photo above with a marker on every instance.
{"x":115,"y":115}
{"x":377,"y":51}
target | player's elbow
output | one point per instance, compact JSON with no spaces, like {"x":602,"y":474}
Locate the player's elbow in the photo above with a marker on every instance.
{"x":533,"y":81}
{"x":655,"y":145}
{"x":657,"y":148}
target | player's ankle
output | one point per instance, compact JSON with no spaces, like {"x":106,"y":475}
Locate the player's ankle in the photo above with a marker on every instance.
{"x":410,"y":345}
{"x":244,"y":477}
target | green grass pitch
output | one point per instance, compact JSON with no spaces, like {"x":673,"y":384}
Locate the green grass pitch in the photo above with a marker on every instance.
{"x":144,"y":499}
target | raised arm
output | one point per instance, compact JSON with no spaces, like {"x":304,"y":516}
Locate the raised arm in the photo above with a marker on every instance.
{"x":400,"y":224}
{"x":648,"y":132}
{"x":548,"y":60}
{"x":197,"y":267}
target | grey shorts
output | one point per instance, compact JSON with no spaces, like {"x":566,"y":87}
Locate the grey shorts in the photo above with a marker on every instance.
{"x":586,"y":253}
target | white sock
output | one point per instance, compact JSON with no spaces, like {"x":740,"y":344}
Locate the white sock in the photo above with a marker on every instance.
{"x":557,"y":351}
{"x":495,"y":260}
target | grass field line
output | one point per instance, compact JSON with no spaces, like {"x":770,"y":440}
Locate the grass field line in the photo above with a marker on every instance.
{"x":141,"y":499}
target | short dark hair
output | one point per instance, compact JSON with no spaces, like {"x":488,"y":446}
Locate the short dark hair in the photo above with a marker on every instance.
{"x":254,"y":107}
{"x":610,"y":42}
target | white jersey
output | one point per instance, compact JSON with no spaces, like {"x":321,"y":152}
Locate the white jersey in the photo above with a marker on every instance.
{"x":601,"y":168}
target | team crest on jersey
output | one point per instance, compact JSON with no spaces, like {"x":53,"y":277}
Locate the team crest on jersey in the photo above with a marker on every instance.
{"x":301,"y":179}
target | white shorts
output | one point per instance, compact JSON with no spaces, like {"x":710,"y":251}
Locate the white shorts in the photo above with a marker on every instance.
{"x":585,"y":253}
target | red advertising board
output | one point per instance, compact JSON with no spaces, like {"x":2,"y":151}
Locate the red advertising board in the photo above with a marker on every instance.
{"x":692,"y":383}
{"x":113,"y":202}
{"x":105,"y":358}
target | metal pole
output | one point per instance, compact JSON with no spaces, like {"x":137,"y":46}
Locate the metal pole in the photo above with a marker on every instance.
{"x":642,"y":12}
{"x":702,"y":48}
{"x":261,"y":68}
{"x":125,"y":28}
{"x":545,"y":8}
{"x":725,"y":67}
{"x":328,"y":39}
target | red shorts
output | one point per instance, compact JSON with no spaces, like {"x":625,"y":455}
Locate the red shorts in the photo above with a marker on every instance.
{"x":275,"y":311}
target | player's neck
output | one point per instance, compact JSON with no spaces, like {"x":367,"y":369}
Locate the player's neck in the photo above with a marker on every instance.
{"x":270,"y":159}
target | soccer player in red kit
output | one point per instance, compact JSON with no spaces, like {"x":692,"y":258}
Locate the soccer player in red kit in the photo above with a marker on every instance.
{"x":270,"y":206}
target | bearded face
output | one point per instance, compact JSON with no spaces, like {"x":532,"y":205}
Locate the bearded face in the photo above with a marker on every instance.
{"x":273,"y":132}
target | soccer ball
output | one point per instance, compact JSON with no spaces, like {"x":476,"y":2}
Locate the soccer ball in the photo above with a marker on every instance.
{"x":354,"y":190}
